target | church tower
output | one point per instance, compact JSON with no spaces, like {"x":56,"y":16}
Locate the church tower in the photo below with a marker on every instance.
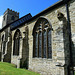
{"x":9,"y":16}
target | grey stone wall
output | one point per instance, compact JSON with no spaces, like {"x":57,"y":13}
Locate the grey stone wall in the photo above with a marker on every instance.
{"x":60,"y":44}
{"x":72,"y":21}
{"x":48,"y":66}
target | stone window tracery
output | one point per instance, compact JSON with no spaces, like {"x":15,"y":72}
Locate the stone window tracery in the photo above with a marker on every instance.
{"x":42,"y":39}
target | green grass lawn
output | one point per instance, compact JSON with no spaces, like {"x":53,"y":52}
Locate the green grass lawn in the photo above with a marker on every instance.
{"x":10,"y":69}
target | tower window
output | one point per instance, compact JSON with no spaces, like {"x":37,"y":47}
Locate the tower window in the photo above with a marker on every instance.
{"x":4,"y":18}
{"x":12,"y":18}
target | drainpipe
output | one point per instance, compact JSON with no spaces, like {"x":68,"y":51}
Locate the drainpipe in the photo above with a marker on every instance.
{"x":70,"y":66}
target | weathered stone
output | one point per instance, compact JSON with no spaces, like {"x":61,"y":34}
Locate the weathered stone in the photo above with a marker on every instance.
{"x":57,"y":65}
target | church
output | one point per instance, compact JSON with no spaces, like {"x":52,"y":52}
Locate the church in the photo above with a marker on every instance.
{"x":44,"y":43}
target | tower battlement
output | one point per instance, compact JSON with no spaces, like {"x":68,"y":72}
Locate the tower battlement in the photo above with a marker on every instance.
{"x":9,"y":16}
{"x":11,"y":12}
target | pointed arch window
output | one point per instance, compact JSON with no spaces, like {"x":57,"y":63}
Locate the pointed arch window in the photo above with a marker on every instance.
{"x":42,"y":47}
{"x":17,"y":37}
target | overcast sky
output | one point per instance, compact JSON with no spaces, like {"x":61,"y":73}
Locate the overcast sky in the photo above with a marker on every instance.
{"x":24,"y":6}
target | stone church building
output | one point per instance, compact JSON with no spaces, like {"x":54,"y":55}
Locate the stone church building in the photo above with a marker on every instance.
{"x":44,"y":43}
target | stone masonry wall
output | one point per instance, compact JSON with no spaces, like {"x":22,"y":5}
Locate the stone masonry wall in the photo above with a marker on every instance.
{"x":22,"y":59}
{"x":48,"y":66}
{"x":6,"y":57}
{"x":72,"y":21}
{"x":60,"y":44}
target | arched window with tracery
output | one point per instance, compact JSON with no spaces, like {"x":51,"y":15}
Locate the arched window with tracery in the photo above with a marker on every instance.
{"x":17,"y":37}
{"x":42,"y":47}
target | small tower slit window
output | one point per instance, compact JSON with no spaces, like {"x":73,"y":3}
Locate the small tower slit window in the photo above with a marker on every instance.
{"x":4,"y":18}
{"x":12,"y":18}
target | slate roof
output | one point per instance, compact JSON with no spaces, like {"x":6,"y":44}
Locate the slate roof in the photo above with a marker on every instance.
{"x":20,"y":21}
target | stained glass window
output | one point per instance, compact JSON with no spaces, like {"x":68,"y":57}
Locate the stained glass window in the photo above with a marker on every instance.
{"x":36,"y":45}
{"x":45,"y":44}
{"x":40,"y":43}
{"x":42,"y":40}
{"x":49,"y":44}
{"x":4,"y":45}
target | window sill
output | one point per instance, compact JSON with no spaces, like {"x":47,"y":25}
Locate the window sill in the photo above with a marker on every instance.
{"x":48,"y":59}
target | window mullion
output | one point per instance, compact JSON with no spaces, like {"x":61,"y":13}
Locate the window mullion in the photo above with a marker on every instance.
{"x":38,"y":45}
{"x":47,"y":43}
